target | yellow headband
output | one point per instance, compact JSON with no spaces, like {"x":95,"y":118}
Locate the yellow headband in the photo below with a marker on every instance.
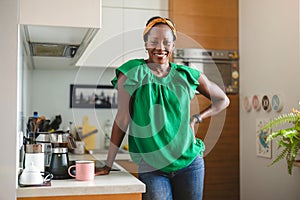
{"x":160,"y":20}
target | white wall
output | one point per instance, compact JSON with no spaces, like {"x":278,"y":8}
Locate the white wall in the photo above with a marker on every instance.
{"x":8,"y":106}
{"x":51,"y":96}
{"x":269,"y":64}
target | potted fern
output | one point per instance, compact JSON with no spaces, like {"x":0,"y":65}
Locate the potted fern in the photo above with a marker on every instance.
{"x":288,"y":139}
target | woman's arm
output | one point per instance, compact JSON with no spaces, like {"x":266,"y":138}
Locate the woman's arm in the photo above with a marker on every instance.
{"x":213,"y":92}
{"x":119,"y":127}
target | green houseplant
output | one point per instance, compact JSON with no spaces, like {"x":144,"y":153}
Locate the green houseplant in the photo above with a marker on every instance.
{"x":288,"y":139}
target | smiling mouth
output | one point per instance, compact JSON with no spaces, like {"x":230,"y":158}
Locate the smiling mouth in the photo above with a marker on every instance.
{"x":161,"y":54}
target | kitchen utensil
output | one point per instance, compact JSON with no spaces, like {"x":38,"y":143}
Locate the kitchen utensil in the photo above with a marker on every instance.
{"x":79,"y":147}
{"x":82,"y":137}
{"x":56,"y":122}
{"x":87,"y":133}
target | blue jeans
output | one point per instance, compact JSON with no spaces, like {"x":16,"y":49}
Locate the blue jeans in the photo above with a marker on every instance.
{"x":184,"y":184}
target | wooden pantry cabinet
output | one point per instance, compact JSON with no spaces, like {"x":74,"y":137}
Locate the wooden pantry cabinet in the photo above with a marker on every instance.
{"x":210,"y":24}
{"x":222,"y":150}
{"x":213,"y":25}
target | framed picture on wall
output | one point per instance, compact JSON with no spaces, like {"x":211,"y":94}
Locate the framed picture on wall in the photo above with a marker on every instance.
{"x":263,"y":148}
{"x":93,"y":96}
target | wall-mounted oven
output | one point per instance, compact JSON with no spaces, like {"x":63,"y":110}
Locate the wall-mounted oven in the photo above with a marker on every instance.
{"x":220,"y":66}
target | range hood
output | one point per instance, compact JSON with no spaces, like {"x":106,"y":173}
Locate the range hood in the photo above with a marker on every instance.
{"x":55,"y":47}
{"x":53,"y":50}
{"x":56,"y":37}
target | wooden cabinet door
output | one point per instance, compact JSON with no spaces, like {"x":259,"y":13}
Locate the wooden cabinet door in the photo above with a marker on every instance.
{"x":222,"y":161}
{"x":211,"y":24}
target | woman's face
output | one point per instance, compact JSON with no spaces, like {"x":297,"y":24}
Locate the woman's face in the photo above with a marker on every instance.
{"x":160,"y":44}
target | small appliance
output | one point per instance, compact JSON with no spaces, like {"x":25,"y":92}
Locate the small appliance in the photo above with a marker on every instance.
{"x":59,"y":163}
{"x":34,"y":155}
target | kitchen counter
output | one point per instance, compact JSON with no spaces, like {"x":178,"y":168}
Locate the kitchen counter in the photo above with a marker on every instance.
{"x":99,"y":155}
{"x":120,"y":183}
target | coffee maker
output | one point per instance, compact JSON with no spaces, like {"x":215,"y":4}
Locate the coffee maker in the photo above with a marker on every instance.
{"x":59,"y":159}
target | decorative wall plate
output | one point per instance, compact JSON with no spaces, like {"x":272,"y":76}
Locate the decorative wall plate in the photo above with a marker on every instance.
{"x":265,"y":102}
{"x":255,"y":103}
{"x":276,"y":103}
{"x":247,"y":104}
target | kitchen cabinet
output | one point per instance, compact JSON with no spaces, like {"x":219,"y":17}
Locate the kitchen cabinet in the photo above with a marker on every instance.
{"x":129,"y":166}
{"x":55,"y":37}
{"x":107,"y":46}
{"x":120,"y":37}
{"x":211,"y":24}
{"x":61,"y":13}
{"x":222,"y":161}
{"x":146,"y":4}
{"x":140,"y":4}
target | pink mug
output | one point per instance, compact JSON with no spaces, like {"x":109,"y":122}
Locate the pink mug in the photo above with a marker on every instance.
{"x":85,"y":170}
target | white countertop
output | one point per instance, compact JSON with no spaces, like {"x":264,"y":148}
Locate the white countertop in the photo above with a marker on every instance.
{"x":117,"y":182}
{"x":98,"y":156}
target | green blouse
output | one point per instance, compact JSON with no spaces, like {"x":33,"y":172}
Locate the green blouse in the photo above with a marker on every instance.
{"x":160,"y":132}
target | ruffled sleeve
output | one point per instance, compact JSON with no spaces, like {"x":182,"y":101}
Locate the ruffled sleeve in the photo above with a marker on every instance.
{"x":131,"y":70}
{"x":190,"y":75}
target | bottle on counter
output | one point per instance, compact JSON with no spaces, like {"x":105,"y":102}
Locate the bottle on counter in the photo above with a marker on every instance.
{"x":107,"y":132}
{"x":70,"y":129}
{"x":32,"y":127}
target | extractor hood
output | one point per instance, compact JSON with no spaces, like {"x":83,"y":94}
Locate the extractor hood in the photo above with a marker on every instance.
{"x":56,"y":37}
{"x":53,"y":50}
{"x":55,"y":47}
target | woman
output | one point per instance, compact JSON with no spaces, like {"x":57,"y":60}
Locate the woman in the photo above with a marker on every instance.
{"x":154,"y":102}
